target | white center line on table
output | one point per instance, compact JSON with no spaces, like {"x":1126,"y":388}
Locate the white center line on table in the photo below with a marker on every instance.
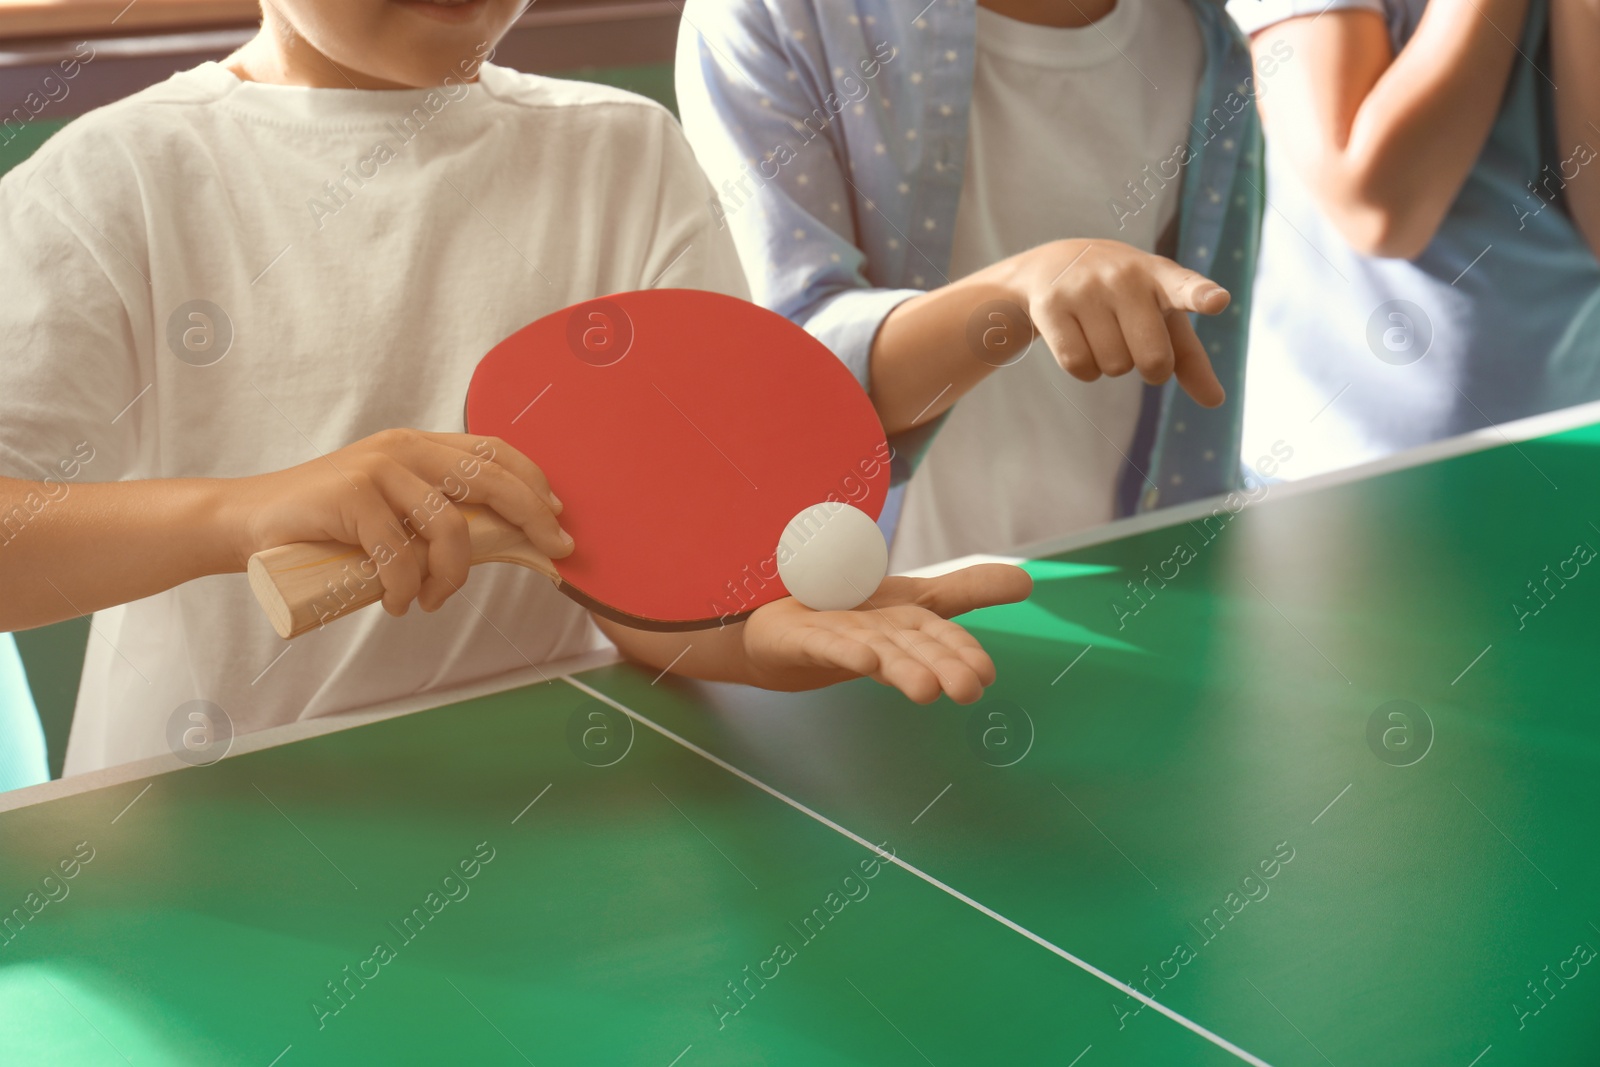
{"x":1473,"y":664}
{"x":1089,"y":968}
{"x":132,"y":802}
{"x":931,"y":803}
{"x":1331,"y":803}
{"x":1074,"y":663}
{"x":531,"y":803}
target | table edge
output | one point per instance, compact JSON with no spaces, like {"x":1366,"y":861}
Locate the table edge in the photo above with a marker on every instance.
{"x":274,"y":736}
{"x":1509,"y":433}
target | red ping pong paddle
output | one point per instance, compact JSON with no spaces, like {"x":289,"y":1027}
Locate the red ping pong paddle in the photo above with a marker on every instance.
{"x":682,"y":431}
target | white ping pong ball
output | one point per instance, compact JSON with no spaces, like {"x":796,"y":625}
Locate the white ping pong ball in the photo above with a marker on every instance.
{"x":832,"y":556}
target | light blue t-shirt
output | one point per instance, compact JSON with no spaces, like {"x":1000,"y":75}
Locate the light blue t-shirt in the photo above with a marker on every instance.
{"x":22,"y":753}
{"x":1353,"y":357}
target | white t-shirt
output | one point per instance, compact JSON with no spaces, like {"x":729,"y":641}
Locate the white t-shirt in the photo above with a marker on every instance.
{"x":1062,"y":120}
{"x":365,"y":249}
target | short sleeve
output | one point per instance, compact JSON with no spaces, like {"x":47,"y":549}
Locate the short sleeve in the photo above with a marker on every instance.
{"x":690,"y":249}
{"x":69,"y":369}
{"x":1255,"y":15}
{"x":755,"y":107}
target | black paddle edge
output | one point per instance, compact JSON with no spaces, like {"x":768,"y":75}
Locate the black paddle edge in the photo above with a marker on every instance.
{"x":638,"y":622}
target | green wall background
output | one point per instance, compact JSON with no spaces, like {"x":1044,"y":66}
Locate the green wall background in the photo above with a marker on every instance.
{"x":53,"y":655}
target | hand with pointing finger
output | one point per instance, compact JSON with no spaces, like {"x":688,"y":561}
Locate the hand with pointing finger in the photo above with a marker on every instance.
{"x":1106,"y":308}
{"x":1103,"y":308}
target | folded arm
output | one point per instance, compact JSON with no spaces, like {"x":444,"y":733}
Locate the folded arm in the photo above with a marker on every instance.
{"x":1575,"y":57}
{"x":1385,"y":141}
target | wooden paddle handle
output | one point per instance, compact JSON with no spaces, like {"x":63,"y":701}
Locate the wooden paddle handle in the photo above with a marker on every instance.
{"x":310,"y":583}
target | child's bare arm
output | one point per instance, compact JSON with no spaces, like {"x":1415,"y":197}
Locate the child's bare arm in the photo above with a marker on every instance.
{"x":902,"y":638}
{"x":67,"y":551}
{"x":1575,"y":57}
{"x":1102,"y":307}
{"x":1385,"y":141}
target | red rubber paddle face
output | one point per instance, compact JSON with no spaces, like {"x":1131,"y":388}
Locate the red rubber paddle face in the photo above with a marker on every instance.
{"x":682,"y":431}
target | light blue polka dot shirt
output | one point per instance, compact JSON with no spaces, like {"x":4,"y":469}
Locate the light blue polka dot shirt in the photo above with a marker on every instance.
{"x":835,"y":134}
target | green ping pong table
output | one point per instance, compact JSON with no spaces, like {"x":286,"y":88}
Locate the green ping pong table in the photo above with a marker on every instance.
{"x":1309,"y":777}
